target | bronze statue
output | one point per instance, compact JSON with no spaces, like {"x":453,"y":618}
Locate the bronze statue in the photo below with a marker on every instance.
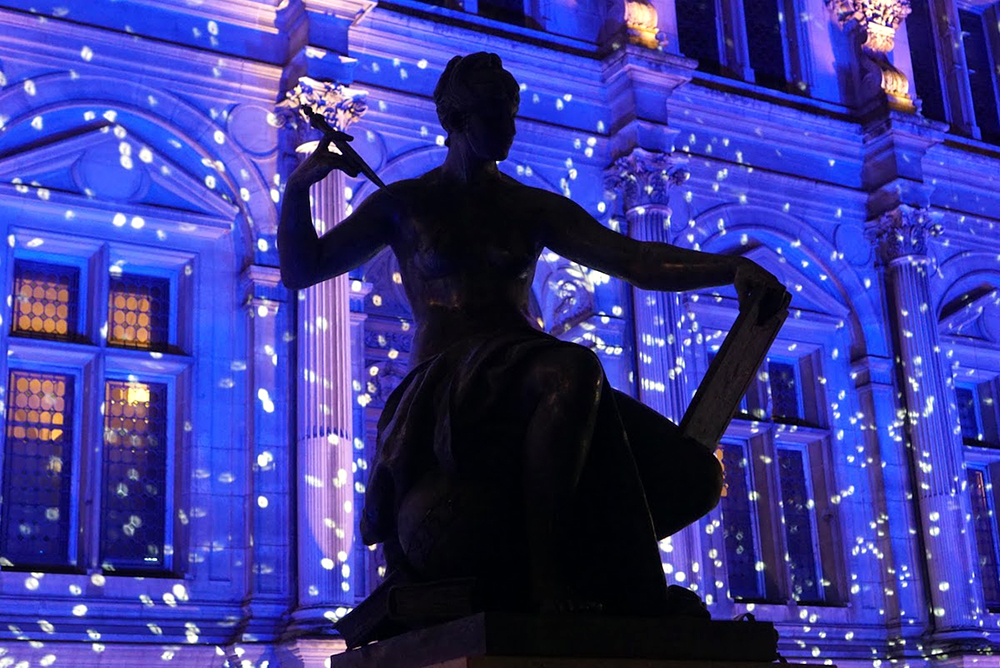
{"x":505,"y":455}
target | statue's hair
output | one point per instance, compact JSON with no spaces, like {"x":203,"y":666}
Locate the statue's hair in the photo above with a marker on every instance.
{"x":456,"y":90}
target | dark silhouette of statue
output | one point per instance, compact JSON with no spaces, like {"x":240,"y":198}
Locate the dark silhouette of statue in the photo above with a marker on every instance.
{"x":505,"y":454}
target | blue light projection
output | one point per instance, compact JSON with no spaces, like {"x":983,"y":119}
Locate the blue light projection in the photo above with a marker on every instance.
{"x":168,"y":499}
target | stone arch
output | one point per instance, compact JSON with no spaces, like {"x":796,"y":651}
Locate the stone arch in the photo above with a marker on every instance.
{"x":62,"y":92}
{"x":744,"y":226}
{"x":967,"y":299}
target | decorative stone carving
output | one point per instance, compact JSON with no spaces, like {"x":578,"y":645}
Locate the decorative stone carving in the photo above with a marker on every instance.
{"x":339,"y":105}
{"x":902,"y":232}
{"x":641,"y":24}
{"x":879,"y":19}
{"x":644,"y":178}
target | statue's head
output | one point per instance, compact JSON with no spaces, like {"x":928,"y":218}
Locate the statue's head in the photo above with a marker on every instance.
{"x":478,"y":98}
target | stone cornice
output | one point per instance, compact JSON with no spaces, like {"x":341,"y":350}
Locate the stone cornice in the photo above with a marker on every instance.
{"x":57,"y":44}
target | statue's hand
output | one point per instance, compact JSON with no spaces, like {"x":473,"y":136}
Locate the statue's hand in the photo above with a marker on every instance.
{"x":752,"y":279}
{"x":320,"y":163}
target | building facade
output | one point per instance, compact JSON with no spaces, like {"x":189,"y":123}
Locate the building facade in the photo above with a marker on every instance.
{"x":186,"y":440}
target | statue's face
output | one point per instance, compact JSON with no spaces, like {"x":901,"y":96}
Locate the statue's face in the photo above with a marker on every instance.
{"x":490,"y":130}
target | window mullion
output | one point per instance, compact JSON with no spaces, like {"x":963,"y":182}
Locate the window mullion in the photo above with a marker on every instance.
{"x":734,"y":48}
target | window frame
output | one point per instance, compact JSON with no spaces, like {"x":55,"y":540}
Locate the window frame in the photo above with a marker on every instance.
{"x":93,"y":361}
{"x":805,"y":342}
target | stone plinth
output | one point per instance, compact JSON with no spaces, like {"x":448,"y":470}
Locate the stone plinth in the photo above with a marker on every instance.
{"x":549,"y":662}
{"x":506,"y":640}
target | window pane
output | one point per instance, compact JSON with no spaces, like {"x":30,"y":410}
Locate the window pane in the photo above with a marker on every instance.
{"x":923,"y":52}
{"x":738,"y":526}
{"x":766,"y":43}
{"x":45,"y":299}
{"x":696,"y":32}
{"x":985,"y":536}
{"x":784,"y":390}
{"x":139,"y":311}
{"x":133,"y":502}
{"x":797,"y":511}
{"x":967,"y":413}
{"x":37,"y":469}
{"x":508,"y":11}
{"x":977,"y":58}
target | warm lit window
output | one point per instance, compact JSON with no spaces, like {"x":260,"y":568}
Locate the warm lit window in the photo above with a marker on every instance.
{"x":38,"y":462}
{"x":133,"y":476}
{"x":138,"y":311}
{"x":88,"y":441}
{"x":45,"y":299}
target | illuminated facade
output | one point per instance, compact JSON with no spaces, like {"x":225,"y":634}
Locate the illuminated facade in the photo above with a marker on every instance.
{"x":186,"y":440}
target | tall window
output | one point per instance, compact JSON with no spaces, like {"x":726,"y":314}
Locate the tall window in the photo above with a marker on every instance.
{"x":698,"y":32}
{"x":89,"y":440}
{"x":981,"y":60}
{"x":985,"y":528}
{"x":755,"y":39}
{"x":773,"y":457}
{"x":920,"y":32}
{"x":947,"y":87}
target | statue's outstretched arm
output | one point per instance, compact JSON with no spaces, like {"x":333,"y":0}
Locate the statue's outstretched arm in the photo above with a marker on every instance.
{"x":576,"y":235}
{"x":307,"y":259}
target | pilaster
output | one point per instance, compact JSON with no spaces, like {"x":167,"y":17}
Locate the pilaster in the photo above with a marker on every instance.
{"x":935,"y":451}
{"x":643,"y":180}
{"x":271,"y":453}
{"x":324,"y":480}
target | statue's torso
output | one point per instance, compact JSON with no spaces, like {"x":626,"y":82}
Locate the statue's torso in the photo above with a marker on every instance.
{"x":467,"y":256}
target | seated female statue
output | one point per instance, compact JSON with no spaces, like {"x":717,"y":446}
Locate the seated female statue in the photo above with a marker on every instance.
{"x":505,"y":454}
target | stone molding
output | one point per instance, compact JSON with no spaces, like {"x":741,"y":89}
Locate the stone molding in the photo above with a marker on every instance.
{"x":340,"y":105}
{"x":902,"y":233}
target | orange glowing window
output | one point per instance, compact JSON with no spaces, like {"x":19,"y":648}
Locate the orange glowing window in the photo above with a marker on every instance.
{"x":138,"y":312}
{"x":45,"y":299}
{"x":37,"y":470}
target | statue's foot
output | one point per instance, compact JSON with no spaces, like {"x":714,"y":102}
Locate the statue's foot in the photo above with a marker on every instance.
{"x":568,"y":605}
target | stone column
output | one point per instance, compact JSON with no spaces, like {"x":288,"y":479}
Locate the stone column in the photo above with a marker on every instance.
{"x":643,"y":179}
{"x":935,"y":450}
{"x":325,"y":434}
{"x":874,"y":24}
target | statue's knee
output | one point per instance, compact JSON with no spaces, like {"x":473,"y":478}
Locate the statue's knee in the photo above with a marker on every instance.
{"x":570,"y":366}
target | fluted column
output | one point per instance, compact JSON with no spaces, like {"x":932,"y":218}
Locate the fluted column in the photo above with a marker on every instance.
{"x":643,"y":180}
{"x":935,"y":451}
{"x":324,"y":436}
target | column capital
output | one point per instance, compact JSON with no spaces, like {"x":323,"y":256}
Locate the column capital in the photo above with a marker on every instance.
{"x":644,"y":178}
{"x":340,"y":105}
{"x":902,"y":232}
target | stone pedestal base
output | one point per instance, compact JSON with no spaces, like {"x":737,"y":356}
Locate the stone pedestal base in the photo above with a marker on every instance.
{"x":546,"y":662}
{"x":506,"y":640}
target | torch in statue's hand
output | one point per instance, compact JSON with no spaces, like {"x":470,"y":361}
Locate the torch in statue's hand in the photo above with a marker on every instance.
{"x":353,"y":163}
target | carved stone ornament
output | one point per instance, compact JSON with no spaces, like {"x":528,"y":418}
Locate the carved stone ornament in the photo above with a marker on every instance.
{"x":902,"y":232}
{"x":339,"y":105}
{"x":641,"y":23}
{"x":644,"y":178}
{"x":879,"y":19}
